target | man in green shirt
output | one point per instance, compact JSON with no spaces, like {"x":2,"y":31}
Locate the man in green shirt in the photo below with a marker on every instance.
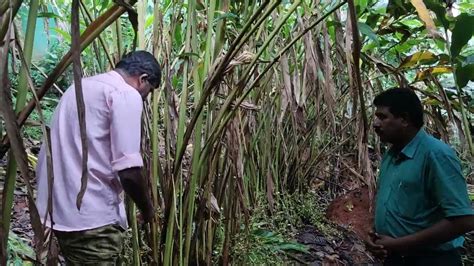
{"x":422,"y":206}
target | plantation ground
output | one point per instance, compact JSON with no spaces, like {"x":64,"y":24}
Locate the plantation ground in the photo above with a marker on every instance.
{"x":340,"y":241}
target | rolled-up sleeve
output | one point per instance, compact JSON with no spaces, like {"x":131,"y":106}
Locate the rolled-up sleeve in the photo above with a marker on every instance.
{"x":125,"y":129}
{"x":449,"y":185}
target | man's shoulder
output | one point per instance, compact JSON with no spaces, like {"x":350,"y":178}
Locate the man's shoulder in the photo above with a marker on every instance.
{"x":433,"y":146}
{"x":107,"y":79}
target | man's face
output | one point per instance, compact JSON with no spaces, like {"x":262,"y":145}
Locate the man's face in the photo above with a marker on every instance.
{"x":387,"y":126}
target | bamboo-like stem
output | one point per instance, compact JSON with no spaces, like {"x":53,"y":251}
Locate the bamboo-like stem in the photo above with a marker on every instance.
{"x":155,"y":174}
{"x":260,"y":76}
{"x":131,"y":205}
{"x":10,"y":179}
{"x":49,"y":169}
{"x":196,"y":167}
{"x":168,"y":254}
{"x":141,"y":10}
{"x":181,"y":123}
{"x":215,"y":78}
{"x":217,"y":128}
{"x":18,"y":151}
{"x":155,"y":164}
{"x":132,"y":215}
{"x":101,"y":40}
{"x":27,"y":51}
{"x":7,"y":9}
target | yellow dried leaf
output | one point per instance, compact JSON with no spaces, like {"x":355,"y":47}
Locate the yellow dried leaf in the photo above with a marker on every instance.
{"x":425,"y":16}
{"x":441,"y":70}
{"x":421,"y":75}
{"x":414,"y":59}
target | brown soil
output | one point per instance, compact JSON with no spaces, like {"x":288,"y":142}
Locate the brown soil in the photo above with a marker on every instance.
{"x":345,"y":250}
{"x":351,"y":211}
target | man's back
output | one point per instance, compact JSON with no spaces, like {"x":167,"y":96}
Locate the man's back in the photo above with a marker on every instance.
{"x":113,"y":112}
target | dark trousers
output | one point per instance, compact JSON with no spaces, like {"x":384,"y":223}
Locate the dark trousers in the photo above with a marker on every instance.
{"x":434,"y":258}
{"x":98,"y":247}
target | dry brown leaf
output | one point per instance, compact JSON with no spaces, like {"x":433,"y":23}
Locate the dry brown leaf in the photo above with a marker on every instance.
{"x":424,"y":15}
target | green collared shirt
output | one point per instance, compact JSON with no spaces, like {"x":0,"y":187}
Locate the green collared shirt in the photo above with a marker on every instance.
{"x":418,"y":187}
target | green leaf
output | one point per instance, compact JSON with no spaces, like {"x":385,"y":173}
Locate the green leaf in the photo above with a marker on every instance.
{"x":441,"y":44}
{"x":462,"y":33}
{"x":412,"y":23}
{"x":464,"y":74}
{"x":63,"y":34}
{"x":199,"y":5}
{"x":149,"y":21}
{"x":372,"y":20}
{"x":178,"y":37}
{"x":183,"y":55}
{"x":432,"y":102}
{"x":104,"y":4}
{"x":227,"y":15}
{"x":398,"y":8}
{"x":471,"y":197}
{"x":369,"y":46}
{"x":293,"y":246}
{"x":361,"y":5}
{"x":47,"y":15}
{"x":367,"y":31}
{"x":264,"y":233}
{"x":466,"y":7}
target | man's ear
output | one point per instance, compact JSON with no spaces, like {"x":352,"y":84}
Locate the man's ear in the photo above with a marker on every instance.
{"x":405,"y":119}
{"x":143,"y":77}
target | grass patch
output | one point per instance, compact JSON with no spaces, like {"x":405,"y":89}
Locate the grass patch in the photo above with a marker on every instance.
{"x":270,"y":237}
{"x":19,"y":252}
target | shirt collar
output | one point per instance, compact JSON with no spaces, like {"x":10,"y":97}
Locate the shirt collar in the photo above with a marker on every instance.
{"x":410,"y":149}
{"x":119,"y":78}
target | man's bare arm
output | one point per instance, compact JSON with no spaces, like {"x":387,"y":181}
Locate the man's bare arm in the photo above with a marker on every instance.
{"x":135,"y":185}
{"x":443,"y":231}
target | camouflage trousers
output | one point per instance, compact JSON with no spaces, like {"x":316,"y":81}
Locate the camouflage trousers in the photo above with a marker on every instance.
{"x":99,"y":246}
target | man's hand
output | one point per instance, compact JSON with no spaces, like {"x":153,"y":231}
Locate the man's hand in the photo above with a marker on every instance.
{"x":391,"y":244}
{"x":445,"y":230}
{"x":135,"y":186}
{"x":377,"y":249}
{"x":148,"y":214}
{"x":385,"y":241}
{"x":144,"y":217}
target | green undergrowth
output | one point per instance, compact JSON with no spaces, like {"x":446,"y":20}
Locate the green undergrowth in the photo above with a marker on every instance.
{"x":270,"y":238}
{"x":19,"y":252}
{"x":32,"y":130}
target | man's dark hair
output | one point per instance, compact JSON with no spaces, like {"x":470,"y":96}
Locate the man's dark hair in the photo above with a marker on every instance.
{"x":402,"y":101}
{"x":141,"y":62}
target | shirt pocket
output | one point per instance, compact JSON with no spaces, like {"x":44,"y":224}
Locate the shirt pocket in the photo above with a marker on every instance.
{"x":405,"y":199}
